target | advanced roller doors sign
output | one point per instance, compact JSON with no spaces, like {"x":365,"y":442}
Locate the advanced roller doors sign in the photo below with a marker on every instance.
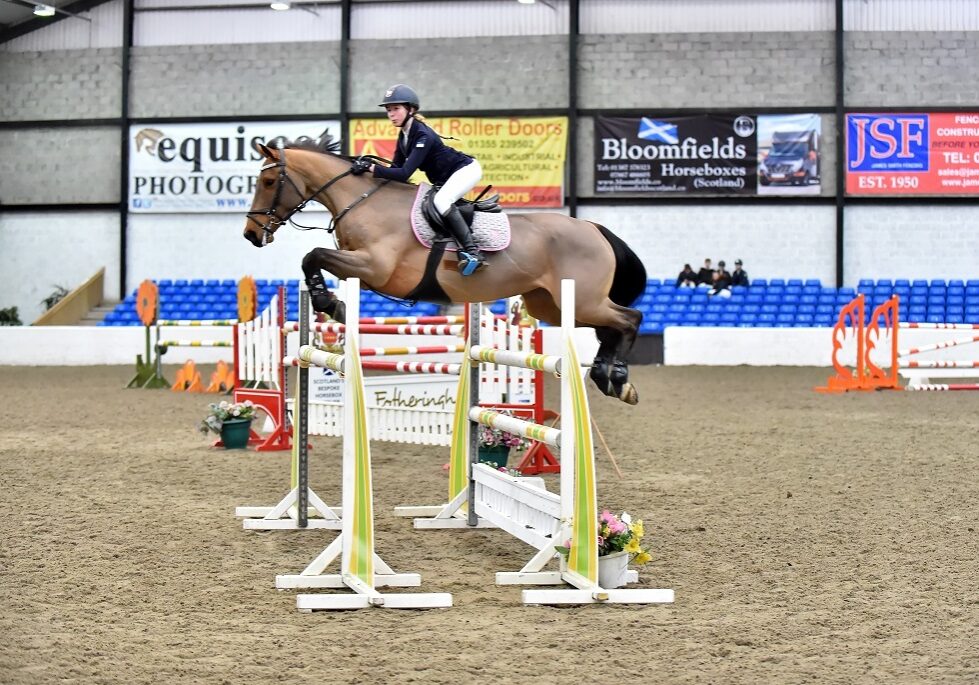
{"x":522,"y":157}
{"x":695,"y":154}
{"x":205,"y":167}
{"x":912,"y":154}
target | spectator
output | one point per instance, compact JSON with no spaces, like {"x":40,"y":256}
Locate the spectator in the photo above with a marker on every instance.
{"x":722,"y":282}
{"x":740,"y":276}
{"x":706,"y":274}
{"x":687,"y":278}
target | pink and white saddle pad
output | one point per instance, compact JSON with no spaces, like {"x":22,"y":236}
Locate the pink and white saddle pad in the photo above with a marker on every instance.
{"x":491,"y":231}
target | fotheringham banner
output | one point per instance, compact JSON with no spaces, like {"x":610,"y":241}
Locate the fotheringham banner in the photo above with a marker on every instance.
{"x":205,"y":167}
{"x":692,"y":154}
{"x":522,"y":157}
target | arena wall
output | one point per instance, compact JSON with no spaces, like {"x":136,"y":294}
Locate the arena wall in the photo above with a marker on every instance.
{"x":679,"y":58}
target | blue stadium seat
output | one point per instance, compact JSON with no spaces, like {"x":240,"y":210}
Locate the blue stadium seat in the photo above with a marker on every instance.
{"x":776,"y":281}
{"x":956,"y":282}
{"x":825,"y":309}
{"x":710,"y":318}
{"x":766,"y":319}
{"x":754,"y":298}
{"x":902,"y":283}
{"x":823,"y":320}
{"x":654,"y":282}
{"x":793,"y":282}
{"x":847,"y":292}
{"x":814,"y":282}
{"x":937,"y":283}
{"x":811,"y":290}
{"x":935,"y":318}
{"x":729,"y":318}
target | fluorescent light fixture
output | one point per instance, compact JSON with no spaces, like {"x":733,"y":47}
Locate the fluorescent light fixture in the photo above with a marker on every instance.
{"x":44,"y":10}
{"x":526,"y":2}
{"x":281,"y":6}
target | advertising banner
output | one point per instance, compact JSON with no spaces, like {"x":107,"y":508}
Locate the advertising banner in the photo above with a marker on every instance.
{"x":205,"y":167}
{"x":912,"y":154}
{"x":692,"y":154}
{"x":708,"y":154}
{"x":522,"y":157}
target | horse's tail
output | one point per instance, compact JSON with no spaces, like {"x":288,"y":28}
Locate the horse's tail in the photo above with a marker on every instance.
{"x":629,"y":281}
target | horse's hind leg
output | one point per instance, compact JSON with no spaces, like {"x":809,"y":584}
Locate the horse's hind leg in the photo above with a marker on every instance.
{"x":616,"y":327}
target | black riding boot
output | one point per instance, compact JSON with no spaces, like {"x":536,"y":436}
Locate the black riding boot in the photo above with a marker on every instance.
{"x":469,"y":257}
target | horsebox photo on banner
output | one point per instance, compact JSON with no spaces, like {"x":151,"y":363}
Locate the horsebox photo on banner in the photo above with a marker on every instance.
{"x":917,"y":153}
{"x":206,"y":167}
{"x":523,"y":158}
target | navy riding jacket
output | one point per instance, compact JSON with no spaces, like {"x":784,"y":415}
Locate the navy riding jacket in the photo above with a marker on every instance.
{"x":426,"y":151}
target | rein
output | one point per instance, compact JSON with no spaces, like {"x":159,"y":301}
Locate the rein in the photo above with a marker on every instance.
{"x":275,"y":221}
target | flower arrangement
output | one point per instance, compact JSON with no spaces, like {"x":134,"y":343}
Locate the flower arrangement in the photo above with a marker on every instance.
{"x":496,"y":437}
{"x":223,"y":411}
{"x":617,"y":534}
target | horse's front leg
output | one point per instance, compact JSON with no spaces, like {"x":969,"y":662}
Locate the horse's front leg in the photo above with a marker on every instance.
{"x":340,"y":263}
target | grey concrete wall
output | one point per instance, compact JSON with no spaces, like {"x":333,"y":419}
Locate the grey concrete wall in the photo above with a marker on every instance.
{"x":706,"y":70}
{"x":467,"y":74}
{"x":64,"y":84}
{"x":59,"y":165}
{"x":235,"y":80}
{"x":908,"y":68}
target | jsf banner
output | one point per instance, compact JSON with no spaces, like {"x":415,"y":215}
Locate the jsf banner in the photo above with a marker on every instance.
{"x":912,"y":154}
{"x":522,"y":157}
{"x":696,"y":154}
{"x":206,"y":167}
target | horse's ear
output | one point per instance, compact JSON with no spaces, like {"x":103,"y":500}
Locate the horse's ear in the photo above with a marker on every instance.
{"x":267,"y":152}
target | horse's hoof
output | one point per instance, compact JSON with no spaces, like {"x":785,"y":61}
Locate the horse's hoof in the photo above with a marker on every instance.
{"x":339,"y":312}
{"x":629,"y":394}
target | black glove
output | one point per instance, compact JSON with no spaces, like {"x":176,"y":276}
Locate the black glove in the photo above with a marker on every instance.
{"x":359,"y":167}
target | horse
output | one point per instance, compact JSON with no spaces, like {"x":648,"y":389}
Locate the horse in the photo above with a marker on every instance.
{"x":375,"y":243}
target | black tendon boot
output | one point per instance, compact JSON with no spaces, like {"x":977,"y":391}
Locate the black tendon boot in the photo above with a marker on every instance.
{"x":323,"y":300}
{"x":469,"y":257}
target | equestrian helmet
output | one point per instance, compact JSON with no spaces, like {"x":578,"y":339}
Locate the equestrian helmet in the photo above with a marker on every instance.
{"x":400,"y":94}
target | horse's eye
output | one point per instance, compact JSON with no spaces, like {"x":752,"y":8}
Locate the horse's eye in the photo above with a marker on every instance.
{"x":269,"y":182}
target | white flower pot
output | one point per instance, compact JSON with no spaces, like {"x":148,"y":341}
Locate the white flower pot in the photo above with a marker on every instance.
{"x":612,"y":570}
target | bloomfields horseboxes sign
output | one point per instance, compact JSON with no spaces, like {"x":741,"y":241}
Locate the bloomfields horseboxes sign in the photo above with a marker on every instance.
{"x":522,"y":157}
{"x":693,"y":154}
{"x":189,"y":168}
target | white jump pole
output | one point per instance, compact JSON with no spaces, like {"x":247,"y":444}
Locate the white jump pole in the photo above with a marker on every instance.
{"x":361,"y":569}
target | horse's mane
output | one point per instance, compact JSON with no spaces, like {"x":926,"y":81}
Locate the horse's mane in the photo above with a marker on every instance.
{"x":325,"y":143}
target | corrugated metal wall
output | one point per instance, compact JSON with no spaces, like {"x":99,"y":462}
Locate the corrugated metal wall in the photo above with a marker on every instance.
{"x":911,"y":15}
{"x":104,"y":31}
{"x":705,"y":16}
{"x":236,"y":26}
{"x":457,"y":19}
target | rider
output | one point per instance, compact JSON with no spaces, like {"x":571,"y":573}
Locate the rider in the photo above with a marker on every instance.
{"x":419,"y":147}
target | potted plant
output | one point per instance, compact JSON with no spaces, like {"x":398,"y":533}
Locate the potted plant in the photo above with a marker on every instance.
{"x":231,"y":420}
{"x":495,"y":444}
{"x":619,"y":539}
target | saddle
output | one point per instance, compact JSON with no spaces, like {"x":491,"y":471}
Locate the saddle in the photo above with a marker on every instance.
{"x":489,"y":224}
{"x":490,"y":229}
{"x":467,"y":208}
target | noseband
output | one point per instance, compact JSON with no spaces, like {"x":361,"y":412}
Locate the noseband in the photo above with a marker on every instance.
{"x":274,"y":220}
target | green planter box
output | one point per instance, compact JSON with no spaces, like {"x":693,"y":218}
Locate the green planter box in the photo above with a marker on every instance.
{"x":234,"y":433}
{"x":494,"y":456}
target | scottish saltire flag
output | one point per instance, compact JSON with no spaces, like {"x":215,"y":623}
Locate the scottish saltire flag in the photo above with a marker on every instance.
{"x":658,"y":130}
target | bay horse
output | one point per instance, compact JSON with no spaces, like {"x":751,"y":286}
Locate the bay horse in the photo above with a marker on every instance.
{"x":376,"y":244}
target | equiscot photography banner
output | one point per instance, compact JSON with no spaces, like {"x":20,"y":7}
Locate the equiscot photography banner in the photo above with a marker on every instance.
{"x":912,"y":154}
{"x":205,"y":167}
{"x":522,"y":157}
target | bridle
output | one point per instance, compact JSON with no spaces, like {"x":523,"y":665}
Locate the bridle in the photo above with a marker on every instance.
{"x":274,"y":221}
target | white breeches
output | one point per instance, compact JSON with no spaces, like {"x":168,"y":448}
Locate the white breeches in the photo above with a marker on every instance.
{"x":459,"y":183}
